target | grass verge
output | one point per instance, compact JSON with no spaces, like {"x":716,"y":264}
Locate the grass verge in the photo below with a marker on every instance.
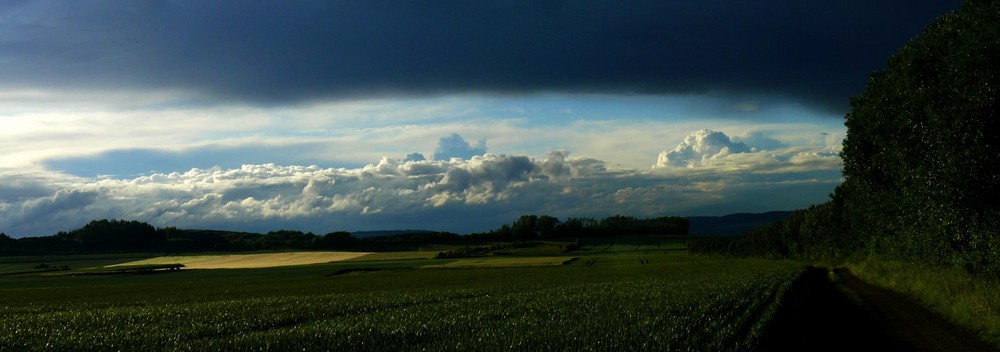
{"x":966,"y":300}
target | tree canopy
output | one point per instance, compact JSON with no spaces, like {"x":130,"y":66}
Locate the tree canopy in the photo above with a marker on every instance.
{"x":922,"y":148}
{"x":920,"y":159}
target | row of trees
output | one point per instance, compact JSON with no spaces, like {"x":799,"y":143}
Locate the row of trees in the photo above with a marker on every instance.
{"x":126,"y":236}
{"x":920,"y":159}
{"x":818,"y":232}
{"x":528,"y":227}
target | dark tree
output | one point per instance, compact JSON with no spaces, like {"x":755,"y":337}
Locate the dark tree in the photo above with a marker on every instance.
{"x":287,"y":239}
{"x":545,"y":226}
{"x":339,"y":239}
{"x":116,"y":235}
{"x":922,"y":148}
{"x":5,"y":241}
{"x":525,"y":227}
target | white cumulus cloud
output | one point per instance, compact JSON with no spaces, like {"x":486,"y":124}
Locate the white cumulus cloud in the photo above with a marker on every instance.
{"x":699,"y":148}
{"x":454,"y":146}
{"x":713,"y":151}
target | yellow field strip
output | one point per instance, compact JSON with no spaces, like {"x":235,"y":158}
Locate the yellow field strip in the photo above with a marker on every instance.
{"x":244,"y":261}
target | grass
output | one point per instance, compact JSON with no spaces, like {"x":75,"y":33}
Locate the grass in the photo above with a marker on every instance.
{"x":667,"y":301}
{"x":972,"y":302}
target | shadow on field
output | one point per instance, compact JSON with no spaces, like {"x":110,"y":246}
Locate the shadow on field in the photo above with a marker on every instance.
{"x":820,"y":315}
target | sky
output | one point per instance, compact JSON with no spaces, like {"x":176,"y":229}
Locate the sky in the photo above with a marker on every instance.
{"x":456,"y":116}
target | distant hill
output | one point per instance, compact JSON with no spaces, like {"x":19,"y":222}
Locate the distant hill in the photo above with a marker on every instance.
{"x":726,"y":225}
{"x":733,"y":224}
{"x":385,"y":233}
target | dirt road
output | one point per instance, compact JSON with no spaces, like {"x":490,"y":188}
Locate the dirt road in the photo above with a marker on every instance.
{"x":820,"y":316}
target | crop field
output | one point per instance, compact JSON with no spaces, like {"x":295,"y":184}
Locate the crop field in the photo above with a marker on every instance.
{"x":502,"y":262}
{"x":24,"y":264}
{"x":645,"y":299}
{"x":244,"y":261}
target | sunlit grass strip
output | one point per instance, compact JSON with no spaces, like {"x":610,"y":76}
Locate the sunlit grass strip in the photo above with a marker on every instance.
{"x":973,"y":302}
{"x":243,"y":261}
{"x":494,"y":262}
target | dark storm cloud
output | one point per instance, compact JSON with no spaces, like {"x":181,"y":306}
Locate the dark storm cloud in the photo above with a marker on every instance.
{"x":817,"y":52}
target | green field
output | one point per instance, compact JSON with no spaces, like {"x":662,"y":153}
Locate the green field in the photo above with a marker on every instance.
{"x":24,"y":264}
{"x":635,"y":296}
{"x":502,"y":262}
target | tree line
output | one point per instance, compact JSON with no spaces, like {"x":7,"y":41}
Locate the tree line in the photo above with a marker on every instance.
{"x":131,"y":236}
{"x":530,"y":227}
{"x":920,"y":159}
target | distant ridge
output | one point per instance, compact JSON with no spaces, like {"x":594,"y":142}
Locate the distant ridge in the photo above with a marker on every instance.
{"x":384,"y":233}
{"x":726,"y":225}
{"x":733,"y":224}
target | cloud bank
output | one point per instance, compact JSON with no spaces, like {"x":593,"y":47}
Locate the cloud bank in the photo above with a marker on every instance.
{"x":457,"y":194}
